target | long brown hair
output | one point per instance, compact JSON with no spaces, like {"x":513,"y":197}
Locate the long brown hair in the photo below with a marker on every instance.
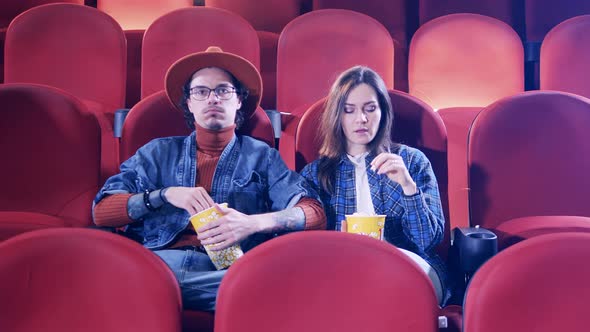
{"x":334,"y":141}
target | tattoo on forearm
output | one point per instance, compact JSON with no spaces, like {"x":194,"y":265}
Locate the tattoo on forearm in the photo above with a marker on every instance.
{"x":292,"y":219}
{"x":136,"y":207}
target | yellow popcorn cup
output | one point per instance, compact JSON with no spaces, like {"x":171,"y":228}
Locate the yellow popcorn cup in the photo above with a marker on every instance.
{"x":365,"y":225}
{"x":220,"y":258}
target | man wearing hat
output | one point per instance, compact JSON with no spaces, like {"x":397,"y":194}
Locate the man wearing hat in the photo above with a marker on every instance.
{"x":172,"y":178}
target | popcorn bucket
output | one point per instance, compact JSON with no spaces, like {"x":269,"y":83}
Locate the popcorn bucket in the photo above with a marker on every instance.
{"x":220,"y":258}
{"x":365,"y":225}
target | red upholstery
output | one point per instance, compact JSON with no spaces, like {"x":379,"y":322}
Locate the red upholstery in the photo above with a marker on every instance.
{"x":542,"y":15}
{"x":9,"y":9}
{"x":565,"y":57}
{"x":415,"y":124}
{"x":269,"y":42}
{"x":58,"y":45}
{"x":509,"y":11}
{"x":50,"y":147}
{"x":189,"y":30}
{"x":155,"y":117}
{"x":311,"y":56}
{"x":538,"y":285}
{"x":265,"y":15}
{"x":458,"y":120}
{"x":139,"y":14}
{"x":525,"y":158}
{"x":452,"y":65}
{"x":395,"y":16}
{"x":320,"y":281}
{"x":516,"y":230}
{"x":85,"y":280}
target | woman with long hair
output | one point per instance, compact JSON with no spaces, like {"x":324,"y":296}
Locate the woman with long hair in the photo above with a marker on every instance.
{"x":360,"y":170}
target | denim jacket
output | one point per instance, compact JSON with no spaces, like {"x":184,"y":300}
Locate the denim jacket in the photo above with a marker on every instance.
{"x":250,"y":176}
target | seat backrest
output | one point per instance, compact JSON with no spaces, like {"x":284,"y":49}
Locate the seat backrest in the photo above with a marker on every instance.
{"x":311,"y":54}
{"x":465,"y":60}
{"x":527,"y":157}
{"x":58,"y":45}
{"x":565,"y":57}
{"x":519,"y":288}
{"x":70,"y":279}
{"x":510,"y":12}
{"x":155,"y":117}
{"x":9,"y":9}
{"x":264,"y":15}
{"x":189,"y":30}
{"x":415,"y":124}
{"x":139,"y":14}
{"x":50,"y":147}
{"x":325,"y":281}
{"x":542,"y":15}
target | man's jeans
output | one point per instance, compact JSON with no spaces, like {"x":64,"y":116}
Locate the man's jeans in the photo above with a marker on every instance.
{"x":196,"y":275}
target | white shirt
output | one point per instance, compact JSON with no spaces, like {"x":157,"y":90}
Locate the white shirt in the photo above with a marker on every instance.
{"x":364,"y":203}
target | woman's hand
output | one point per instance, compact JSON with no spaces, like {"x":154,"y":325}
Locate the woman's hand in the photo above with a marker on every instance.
{"x":393,"y":166}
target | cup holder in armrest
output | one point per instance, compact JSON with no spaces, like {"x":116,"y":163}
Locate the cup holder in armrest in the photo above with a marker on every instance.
{"x":474,"y":247}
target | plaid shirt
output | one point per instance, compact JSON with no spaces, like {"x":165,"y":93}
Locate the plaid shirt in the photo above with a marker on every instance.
{"x":414,"y":223}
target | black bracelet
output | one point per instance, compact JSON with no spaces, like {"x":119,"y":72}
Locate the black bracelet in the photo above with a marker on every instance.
{"x":163,"y":197}
{"x":146,"y":200}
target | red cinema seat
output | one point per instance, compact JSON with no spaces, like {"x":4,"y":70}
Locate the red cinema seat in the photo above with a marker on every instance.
{"x":526,"y":157}
{"x":465,"y":60}
{"x":537,"y":285}
{"x":155,"y":117}
{"x":565,"y":57}
{"x":311,"y":56}
{"x":325,"y":281}
{"x":415,"y":124}
{"x":478,"y":60}
{"x":58,"y":45}
{"x":138,"y":14}
{"x":189,"y":30}
{"x":51,"y":159}
{"x":85,"y":280}
{"x":395,"y":16}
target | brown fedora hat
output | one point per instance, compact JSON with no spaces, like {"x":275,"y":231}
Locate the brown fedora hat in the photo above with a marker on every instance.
{"x":243,"y":70}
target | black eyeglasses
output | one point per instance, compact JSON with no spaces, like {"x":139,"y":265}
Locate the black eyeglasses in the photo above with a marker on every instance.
{"x":201,"y":93}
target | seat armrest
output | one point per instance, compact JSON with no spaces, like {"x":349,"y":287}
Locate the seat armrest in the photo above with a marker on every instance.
{"x":474,"y":246}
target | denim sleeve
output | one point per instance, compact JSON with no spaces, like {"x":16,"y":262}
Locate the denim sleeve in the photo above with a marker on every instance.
{"x":423,"y":219}
{"x":132,"y":178}
{"x":285,"y":187}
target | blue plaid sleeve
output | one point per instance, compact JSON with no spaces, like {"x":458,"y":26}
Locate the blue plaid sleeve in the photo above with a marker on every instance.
{"x":422,"y":219}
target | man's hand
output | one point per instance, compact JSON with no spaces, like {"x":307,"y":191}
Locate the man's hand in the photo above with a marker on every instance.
{"x":192,"y":199}
{"x":393,"y":166}
{"x":231,"y":228}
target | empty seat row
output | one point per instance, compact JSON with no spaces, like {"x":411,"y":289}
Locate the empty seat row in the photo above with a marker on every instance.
{"x":80,"y":279}
{"x":458,"y":76}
